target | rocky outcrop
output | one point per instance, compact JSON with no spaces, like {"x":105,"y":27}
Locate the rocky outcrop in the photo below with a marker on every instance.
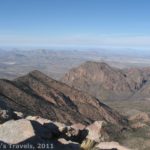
{"x":96,"y":132}
{"x":40,"y":133}
{"x":14,"y":132}
{"x":110,"y":146}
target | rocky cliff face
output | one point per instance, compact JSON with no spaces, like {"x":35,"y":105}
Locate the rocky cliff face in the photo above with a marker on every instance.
{"x":38,"y":94}
{"x":101,"y":80}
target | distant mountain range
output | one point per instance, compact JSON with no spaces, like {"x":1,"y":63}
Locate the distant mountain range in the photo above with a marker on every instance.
{"x":55,"y":63}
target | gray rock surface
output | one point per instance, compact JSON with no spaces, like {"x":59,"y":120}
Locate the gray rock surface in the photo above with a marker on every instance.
{"x":96,"y":131}
{"x":14,"y":132}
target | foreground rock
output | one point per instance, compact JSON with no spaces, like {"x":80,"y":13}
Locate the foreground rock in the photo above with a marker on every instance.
{"x":110,"y":146}
{"x":23,"y":132}
{"x":38,"y":119}
{"x":35,"y":130}
{"x":96,"y":132}
{"x":14,"y":132}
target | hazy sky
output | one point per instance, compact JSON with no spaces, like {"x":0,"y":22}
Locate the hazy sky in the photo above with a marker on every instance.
{"x":113,"y":23}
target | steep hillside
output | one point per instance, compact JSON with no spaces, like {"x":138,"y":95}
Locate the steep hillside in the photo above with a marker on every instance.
{"x":38,"y":94}
{"x":103,"y":81}
{"x":99,"y":79}
{"x":143,"y":93}
{"x":137,"y":77}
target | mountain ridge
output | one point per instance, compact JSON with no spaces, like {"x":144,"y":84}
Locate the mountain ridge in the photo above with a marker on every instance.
{"x":54,"y":100}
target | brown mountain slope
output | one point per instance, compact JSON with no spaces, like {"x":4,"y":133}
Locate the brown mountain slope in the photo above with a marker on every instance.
{"x":22,"y":98}
{"x":143,"y":93}
{"x":139,"y":80}
{"x":38,"y":94}
{"x":103,"y":81}
{"x":99,"y":79}
{"x":137,"y":77}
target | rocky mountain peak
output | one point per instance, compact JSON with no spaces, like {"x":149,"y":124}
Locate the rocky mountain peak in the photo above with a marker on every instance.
{"x":98,"y":77}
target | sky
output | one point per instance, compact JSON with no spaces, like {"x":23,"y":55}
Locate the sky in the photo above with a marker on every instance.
{"x":77,"y":23}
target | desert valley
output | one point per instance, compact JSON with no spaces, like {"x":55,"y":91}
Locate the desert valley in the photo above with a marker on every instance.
{"x":91,"y":105}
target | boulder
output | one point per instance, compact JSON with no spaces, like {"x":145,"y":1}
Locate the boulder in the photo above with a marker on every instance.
{"x":88,"y":144}
{"x":61,"y":126}
{"x":56,"y":128}
{"x":78,"y":126}
{"x":13,"y":132}
{"x":38,"y":119}
{"x":53,"y":126}
{"x":19,"y":115}
{"x":74,"y":133}
{"x":110,"y":146}
{"x":96,"y":131}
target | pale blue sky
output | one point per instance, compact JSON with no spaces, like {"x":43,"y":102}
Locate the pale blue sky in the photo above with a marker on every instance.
{"x":112,"y":23}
